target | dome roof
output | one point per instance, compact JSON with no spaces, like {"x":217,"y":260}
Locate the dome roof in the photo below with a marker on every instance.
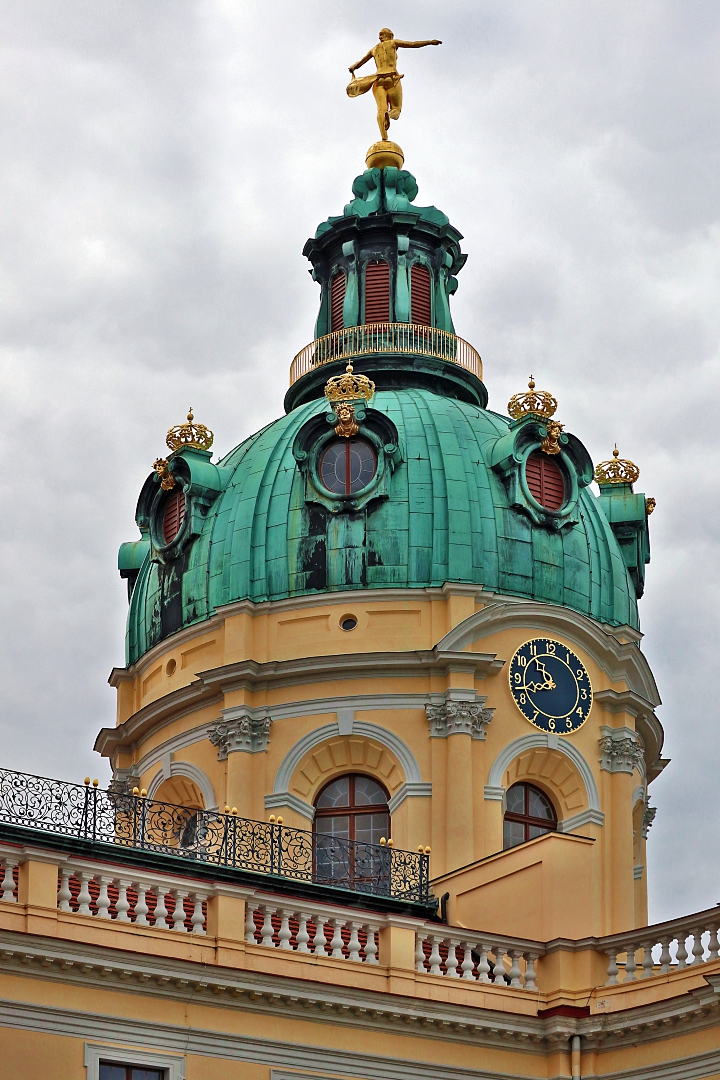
{"x":449,"y":504}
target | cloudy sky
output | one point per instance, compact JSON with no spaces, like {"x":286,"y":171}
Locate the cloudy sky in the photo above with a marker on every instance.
{"x":163,"y":163}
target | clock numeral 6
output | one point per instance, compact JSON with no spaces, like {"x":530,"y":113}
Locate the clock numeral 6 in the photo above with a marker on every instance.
{"x":551,"y":723}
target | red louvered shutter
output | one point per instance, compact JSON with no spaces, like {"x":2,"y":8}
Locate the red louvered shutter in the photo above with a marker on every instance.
{"x":337,"y":299}
{"x":173,"y":516}
{"x":545,"y":480}
{"x":377,"y":292}
{"x":420,"y":282}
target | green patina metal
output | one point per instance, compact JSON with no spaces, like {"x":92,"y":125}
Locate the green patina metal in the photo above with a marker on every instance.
{"x":446,"y":517}
{"x":449,"y":502}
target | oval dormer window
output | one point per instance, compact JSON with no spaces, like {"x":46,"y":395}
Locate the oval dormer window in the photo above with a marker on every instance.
{"x":173,"y":515}
{"x":347,"y":466}
{"x":545,"y":480}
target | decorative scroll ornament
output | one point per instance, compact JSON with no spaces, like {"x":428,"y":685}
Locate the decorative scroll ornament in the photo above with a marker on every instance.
{"x":649,"y":813}
{"x":167,"y":480}
{"x":618,"y":471}
{"x":650,"y":505}
{"x":190,"y":434}
{"x":533,"y":402}
{"x":349,"y":387}
{"x":551,"y":443}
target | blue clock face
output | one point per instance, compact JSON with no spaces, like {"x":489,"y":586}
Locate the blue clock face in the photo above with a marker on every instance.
{"x":550,"y":686}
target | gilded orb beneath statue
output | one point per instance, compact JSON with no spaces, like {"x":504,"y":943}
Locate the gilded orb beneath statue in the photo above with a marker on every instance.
{"x":383,"y":154}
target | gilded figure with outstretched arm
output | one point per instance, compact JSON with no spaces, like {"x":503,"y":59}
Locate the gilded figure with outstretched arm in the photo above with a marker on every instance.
{"x":385,"y":83}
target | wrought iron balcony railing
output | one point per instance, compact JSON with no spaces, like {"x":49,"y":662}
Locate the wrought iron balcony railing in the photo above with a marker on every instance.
{"x":386,"y":339}
{"x":207,"y":836}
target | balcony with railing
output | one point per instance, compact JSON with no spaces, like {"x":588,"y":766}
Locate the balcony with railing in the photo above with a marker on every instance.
{"x":383,"y":340}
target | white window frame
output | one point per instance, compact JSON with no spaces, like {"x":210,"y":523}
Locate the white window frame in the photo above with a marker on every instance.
{"x":172,"y":1064}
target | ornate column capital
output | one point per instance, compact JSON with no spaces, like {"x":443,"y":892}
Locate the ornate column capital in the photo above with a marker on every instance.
{"x":648,"y":816}
{"x":248,"y":733}
{"x":458,"y":718}
{"x":124,"y":780}
{"x":621,"y":750}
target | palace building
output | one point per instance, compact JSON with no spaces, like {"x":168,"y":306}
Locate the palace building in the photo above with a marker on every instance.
{"x":384,"y":744}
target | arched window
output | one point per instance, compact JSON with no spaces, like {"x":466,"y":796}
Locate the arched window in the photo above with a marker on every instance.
{"x":337,"y":299}
{"x":377,"y":292}
{"x":420,"y":303}
{"x":173,"y":515}
{"x":528,"y":813}
{"x":545,"y":480}
{"x":350,"y":814}
{"x":347,"y":466}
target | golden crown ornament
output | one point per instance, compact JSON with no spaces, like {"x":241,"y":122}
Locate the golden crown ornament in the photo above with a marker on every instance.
{"x":190,"y":434}
{"x":349,"y":386}
{"x":617,"y":471}
{"x":532,"y":402}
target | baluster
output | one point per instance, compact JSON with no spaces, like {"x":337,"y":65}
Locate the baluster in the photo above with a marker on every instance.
{"x":103,"y":900}
{"x":267,"y":926}
{"x":630,"y":964}
{"x":468,"y":963}
{"x":371,"y":948}
{"x":8,"y":882}
{"x":122,"y":905}
{"x":250,"y":908}
{"x":451,"y":962}
{"x":515,"y":972}
{"x":483,"y":965}
{"x":178,"y":923}
{"x":141,"y":908}
{"x":198,"y":919}
{"x":530,"y":974}
{"x":64,"y":893}
{"x":665,"y":957}
{"x":435,"y":958}
{"x":647,"y":960}
{"x":681,"y":952}
{"x":320,"y":940}
{"x":612,"y":968}
{"x":160,"y":910}
{"x":285,"y":933}
{"x":302,"y":937}
{"x":337,"y":942}
{"x":419,"y":952}
{"x":698,"y":948}
{"x":500,"y":970}
{"x":84,"y":897}
{"x":354,"y":942}
{"x":713,"y":947}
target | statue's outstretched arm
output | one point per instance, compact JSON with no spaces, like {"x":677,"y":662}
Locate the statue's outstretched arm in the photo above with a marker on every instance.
{"x":415,"y":44}
{"x":366,"y":57}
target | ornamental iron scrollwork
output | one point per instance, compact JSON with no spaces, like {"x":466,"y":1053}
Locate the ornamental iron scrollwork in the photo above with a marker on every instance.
{"x":210,"y":837}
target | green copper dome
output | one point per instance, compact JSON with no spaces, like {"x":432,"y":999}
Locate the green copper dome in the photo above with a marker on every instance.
{"x":448,"y":493}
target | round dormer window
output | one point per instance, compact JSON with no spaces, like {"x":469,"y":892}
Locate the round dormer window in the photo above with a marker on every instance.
{"x":545,"y":480}
{"x":173,"y":515}
{"x":347,"y":466}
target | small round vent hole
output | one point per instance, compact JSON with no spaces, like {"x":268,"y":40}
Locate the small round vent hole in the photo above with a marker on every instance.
{"x":349,"y":622}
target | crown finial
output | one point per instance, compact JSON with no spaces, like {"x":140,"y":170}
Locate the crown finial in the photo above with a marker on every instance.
{"x":342,"y":391}
{"x":532,"y":402}
{"x":189,"y":434}
{"x":616,"y":471}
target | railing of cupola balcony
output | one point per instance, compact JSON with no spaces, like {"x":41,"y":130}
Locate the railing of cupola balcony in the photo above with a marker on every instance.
{"x":207,"y":836}
{"x":386,"y":339}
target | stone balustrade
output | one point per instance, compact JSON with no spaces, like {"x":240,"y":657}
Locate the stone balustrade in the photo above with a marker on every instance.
{"x":457,"y":954}
{"x":661,"y":949}
{"x":308,"y":928}
{"x":130,"y":898}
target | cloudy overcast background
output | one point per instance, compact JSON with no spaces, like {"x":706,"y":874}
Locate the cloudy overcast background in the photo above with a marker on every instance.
{"x":163,"y":163}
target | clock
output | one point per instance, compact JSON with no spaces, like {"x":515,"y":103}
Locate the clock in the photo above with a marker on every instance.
{"x":550,"y":686}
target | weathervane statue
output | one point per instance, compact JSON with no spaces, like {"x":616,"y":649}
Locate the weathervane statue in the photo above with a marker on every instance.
{"x":387,"y":91}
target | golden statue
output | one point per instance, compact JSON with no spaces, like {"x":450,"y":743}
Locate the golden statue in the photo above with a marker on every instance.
{"x":387,"y":91}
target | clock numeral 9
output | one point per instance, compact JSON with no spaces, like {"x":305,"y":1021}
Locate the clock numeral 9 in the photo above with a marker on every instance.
{"x":518,"y":677}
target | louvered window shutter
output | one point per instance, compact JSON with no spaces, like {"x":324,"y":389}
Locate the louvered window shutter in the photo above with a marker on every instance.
{"x":377,"y":292}
{"x":173,"y":516}
{"x":420,"y":283}
{"x":337,"y":299}
{"x":545,"y":481}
